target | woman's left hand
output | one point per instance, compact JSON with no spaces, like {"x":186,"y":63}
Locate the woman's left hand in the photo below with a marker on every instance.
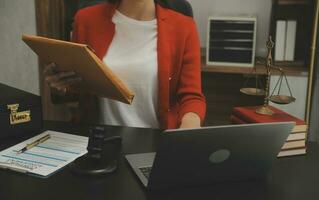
{"x":190,"y":120}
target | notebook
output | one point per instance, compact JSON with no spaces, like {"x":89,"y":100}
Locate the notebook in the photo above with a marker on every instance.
{"x":45,"y":158}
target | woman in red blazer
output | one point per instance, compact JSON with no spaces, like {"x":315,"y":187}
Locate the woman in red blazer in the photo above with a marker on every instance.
{"x":181,"y":103}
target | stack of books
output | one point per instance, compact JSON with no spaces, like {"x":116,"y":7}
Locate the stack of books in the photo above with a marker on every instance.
{"x":296,"y":141}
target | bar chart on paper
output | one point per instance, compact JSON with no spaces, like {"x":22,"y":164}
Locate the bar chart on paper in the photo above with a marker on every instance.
{"x":45,"y":158}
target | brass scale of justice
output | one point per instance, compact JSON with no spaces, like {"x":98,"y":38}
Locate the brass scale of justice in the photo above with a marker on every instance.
{"x":277,"y":97}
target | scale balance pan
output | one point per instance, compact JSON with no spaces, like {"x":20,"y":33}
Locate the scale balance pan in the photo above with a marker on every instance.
{"x":282,"y":99}
{"x":253,"y":91}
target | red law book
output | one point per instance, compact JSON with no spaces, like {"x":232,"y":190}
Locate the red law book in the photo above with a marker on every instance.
{"x":249,"y":115}
{"x":294,"y":136}
{"x":236,"y":120}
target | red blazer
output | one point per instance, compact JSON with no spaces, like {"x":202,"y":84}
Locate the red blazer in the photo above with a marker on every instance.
{"x":179,"y":60}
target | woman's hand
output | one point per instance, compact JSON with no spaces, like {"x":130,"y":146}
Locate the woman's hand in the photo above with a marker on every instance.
{"x":190,"y":120}
{"x":60,"y":80}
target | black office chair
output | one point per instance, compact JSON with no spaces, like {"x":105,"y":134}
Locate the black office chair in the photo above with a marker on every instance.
{"x":181,"y":6}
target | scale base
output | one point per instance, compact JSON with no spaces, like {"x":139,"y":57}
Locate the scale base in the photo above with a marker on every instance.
{"x":264,"y":110}
{"x":89,"y":166}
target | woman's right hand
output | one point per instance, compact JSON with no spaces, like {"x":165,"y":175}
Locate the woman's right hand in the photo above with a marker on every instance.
{"x":61,"y":81}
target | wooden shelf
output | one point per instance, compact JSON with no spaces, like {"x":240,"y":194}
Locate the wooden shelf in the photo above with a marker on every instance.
{"x":260,"y":69}
{"x":290,"y":68}
{"x":293,"y":2}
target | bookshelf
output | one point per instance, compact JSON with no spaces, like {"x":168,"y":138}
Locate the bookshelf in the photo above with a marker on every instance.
{"x":302,"y":12}
{"x":305,"y":12}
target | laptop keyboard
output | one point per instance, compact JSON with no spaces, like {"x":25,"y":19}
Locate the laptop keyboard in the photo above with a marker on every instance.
{"x":146,"y":171}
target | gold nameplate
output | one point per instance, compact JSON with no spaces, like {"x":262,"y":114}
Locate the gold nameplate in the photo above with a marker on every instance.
{"x":18,"y":117}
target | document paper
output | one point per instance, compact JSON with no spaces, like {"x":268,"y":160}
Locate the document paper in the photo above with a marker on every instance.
{"x":47,"y":157}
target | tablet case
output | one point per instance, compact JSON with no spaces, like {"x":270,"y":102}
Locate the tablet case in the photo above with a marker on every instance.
{"x":98,"y":79}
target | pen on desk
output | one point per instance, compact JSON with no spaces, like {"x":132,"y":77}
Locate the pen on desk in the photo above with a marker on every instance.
{"x":35,"y":143}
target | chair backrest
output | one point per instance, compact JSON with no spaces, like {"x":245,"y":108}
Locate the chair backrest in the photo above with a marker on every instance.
{"x":181,"y":6}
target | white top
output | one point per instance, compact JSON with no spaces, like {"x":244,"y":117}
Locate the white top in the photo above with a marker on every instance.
{"x":132,"y":56}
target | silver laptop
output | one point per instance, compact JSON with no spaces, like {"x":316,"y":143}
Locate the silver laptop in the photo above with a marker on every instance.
{"x":188,"y":157}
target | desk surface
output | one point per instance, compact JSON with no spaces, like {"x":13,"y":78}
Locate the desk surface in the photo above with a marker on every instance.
{"x":291,"y":178}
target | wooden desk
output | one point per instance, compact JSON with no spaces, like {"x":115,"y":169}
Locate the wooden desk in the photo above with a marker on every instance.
{"x":290,"y":179}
